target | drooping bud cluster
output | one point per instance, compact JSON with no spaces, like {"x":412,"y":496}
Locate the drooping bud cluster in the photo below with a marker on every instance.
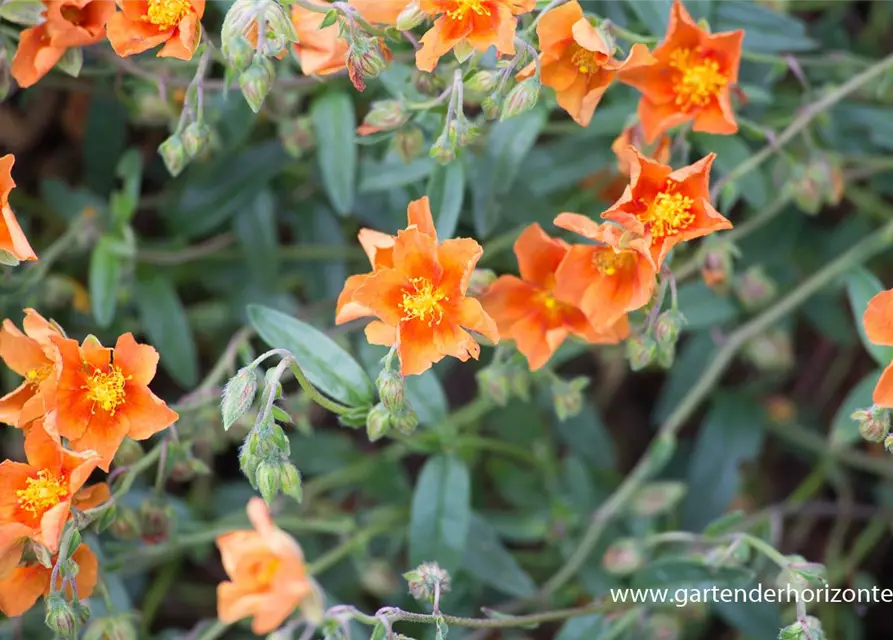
{"x":567,"y":396}
{"x":426,"y":580}
{"x":264,"y":460}
{"x":394,"y":409}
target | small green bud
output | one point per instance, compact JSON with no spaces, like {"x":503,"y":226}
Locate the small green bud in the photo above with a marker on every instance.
{"x":492,"y":105}
{"x":662,"y":626}
{"x":480,"y":282}
{"x":657,"y":498}
{"x":269,"y":480}
{"x":366,"y":59}
{"x":291,"y":482}
{"x":106,"y":518}
{"x":126,"y":525}
{"x":809,"y":571}
{"x":771,"y":351}
{"x":755,"y":289}
{"x":810,"y":629}
{"x":521,"y":98}
{"x":387,"y":115}
{"x":378,"y":421}
{"x":483,"y":81}
{"x":60,"y":616}
{"x":297,"y":136}
{"x":405,"y":421}
{"x":391,"y":390}
{"x":668,"y":326}
{"x":641,"y":351}
{"x":238,"y":52}
{"x":444,"y":149}
{"x":129,"y":453}
{"x":888,"y":443}
{"x":495,"y":384}
{"x":157,"y":519}
{"x":196,"y":138}
{"x":519,"y":382}
{"x":173,"y":152}
{"x":624,"y":557}
{"x":567,"y":397}
{"x":408,"y":142}
{"x":238,"y":396}
{"x":423,"y":580}
{"x":411,"y":17}
{"x":256,"y":82}
{"x":280,"y":440}
{"x":248,"y":463}
{"x":874,"y":423}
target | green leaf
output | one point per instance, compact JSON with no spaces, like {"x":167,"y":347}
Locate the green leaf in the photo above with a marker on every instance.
{"x":862,"y":285}
{"x":105,"y":139}
{"x":753,"y":619}
{"x":105,"y":272}
{"x":845,"y":430}
{"x":383,"y":176}
{"x":584,"y":628}
{"x":441,"y":513}
{"x":325,"y":363}
{"x":123,"y":203}
{"x":446,"y":190}
{"x":330,"y":18}
{"x":688,"y":574}
{"x":764,"y":29}
{"x":587,"y":436}
{"x":654,"y":14}
{"x":167,"y":326}
{"x":335,"y":124}
{"x":703,"y":308}
{"x":427,"y":398}
{"x":23,"y":12}
{"x":71,"y":62}
{"x":693,"y":358}
{"x":255,"y":228}
{"x":724,"y":524}
{"x":730,"y":152}
{"x":490,"y":562}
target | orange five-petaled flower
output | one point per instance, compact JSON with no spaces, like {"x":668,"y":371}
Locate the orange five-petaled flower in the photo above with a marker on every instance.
{"x":577,"y":62}
{"x":529,"y":310}
{"x":320,"y":51}
{"x":21,"y":587}
{"x":143,"y":24}
{"x":417,"y":291}
{"x":878,"y":322}
{"x":102,"y":395}
{"x":469,"y":24}
{"x":691,"y":79}
{"x":268,"y":577}
{"x":12,"y":240}
{"x":667,"y":207}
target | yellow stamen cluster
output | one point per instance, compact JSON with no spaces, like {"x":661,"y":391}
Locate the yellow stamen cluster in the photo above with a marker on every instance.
{"x":464,"y":6}
{"x":106,"y":389}
{"x":42,"y":493}
{"x":166,"y":14}
{"x":263,"y":570}
{"x":586,"y":61}
{"x":423,"y":302}
{"x":37,"y":375}
{"x":669,"y":213}
{"x":698,"y":81}
{"x":609,"y":261}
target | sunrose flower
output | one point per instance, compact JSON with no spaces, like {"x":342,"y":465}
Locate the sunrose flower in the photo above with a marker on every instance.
{"x":609,"y":279}
{"x":878,"y":323}
{"x":143,"y":24}
{"x":577,"y":62}
{"x":665,"y":206}
{"x":12,"y":239}
{"x":21,"y":588}
{"x":475,"y":24}
{"x":38,"y":494}
{"x":267,"y":575}
{"x":690,"y":80}
{"x":528,"y":309}
{"x":102,"y":395}
{"x":417,"y":291}
{"x":609,"y":184}
{"x":29,"y":354}
{"x":320,"y":51}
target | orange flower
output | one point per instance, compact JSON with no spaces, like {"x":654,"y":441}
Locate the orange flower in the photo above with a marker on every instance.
{"x":381,"y":11}
{"x":102,"y":395}
{"x":528,"y":309}
{"x":878,"y":322}
{"x":268,"y":577}
{"x":691,"y":79}
{"x":478,"y":24}
{"x":38,"y":494}
{"x":29,"y":354}
{"x":21,"y":588}
{"x":577,"y":62}
{"x":143,"y":24}
{"x":12,"y":240}
{"x":417,"y":291}
{"x":320,"y":51}
{"x":609,"y":279}
{"x":608,"y":184}
{"x":665,"y":206}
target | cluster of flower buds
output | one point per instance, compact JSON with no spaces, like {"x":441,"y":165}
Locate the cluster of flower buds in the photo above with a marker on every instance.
{"x":263,"y":459}
{"x":120,"y":627}
{"x":755,"y":289}
{"x":394,"y":409}
{"x":567,"y":396}
{"x":874,"y":425}
{"x":427,"y":581}
{"x":717,"y":264}
{"x":816,"y":183}
{"x":458,"y":131}
{"x":810,"y":628}
{"x":657,"y":344}
{"x":502,"y":381}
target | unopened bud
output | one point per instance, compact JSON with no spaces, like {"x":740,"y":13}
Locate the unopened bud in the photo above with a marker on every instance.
{"x":874,"y":423}
{"x":297,"y":136}
{"x":521,"y":98}
{"x":408,"y":142}
{"x":717,"y":266}
{"x":444,"y":148}
{"x":280,"y":440}
{"x":411,"y":17}
{"x":810,"y":629}
{"x":483,"y":81}
{"x":623,"y":557}
{"x":480,"y":282}
{"x":256,"y":82}
{"x":519,"y":382}
{"x":378,"y":421}
{"x":60,"y":616}
{"x":238,"y":52}
{"x":494,"y":384}
{"x":668,"y":326}
{"x":755,"y":289}
{"x":291,"y":482}
{"x":196,"y":138}
{"x":657,"y":498}
{"x":424,"y":580}
{"x":662,"y":626}
{"x":888,"y":443}
{"x":492,"y":105}
{"x":366,"y":59}
{"x":567,"y":397}
{"x":126,"y":525}
{"x":386,"y":115}
{"x":392,"y":390}
{"x":129,"y":452}
{"x":119,"y":627}
{"x":405,"y":421}
{"x":641,"y":351}
{"x":173,"y":152}
{"x":269,"y":479}
{"x":238,"y":396}
{"x":378,"y":578}
{"x":156,"y":520}
{"x":771,"y":351}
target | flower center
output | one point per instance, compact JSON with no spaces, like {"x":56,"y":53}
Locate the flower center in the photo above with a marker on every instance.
{"x":423,"y":302}
{"x":586,"y":61}
{"x":106,"y":389}
{"x":464,"y":6}
{"x":668,"y":213}
{"x":37,"y":375}
{"x":166,"y":14}
{"x":609,"y":261}
{"x":264,"y":570}
{"x":41,"y":493}
{"x":699,"y":79}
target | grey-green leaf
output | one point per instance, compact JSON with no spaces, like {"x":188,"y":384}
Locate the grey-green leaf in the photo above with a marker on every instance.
{"x":335,"y":124}
{"x":167,"y":326}
{"x":446,"y":190}
{"x":490,"y":562}
{"x":105,"y":272}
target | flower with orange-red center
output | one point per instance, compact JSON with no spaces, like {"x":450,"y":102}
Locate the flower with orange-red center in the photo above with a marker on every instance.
{"x":667,"y":207}
{"x":21,"y":587}
{"x":12,"y":239}
{"x":102,"y":395}
{"x":577,"y":62}
{"x":530,"y":311}
{"x":878,"y":323}
{"x":608,"y":279}
{"x":320,"y":51}
{"x":36,"y":496}
{"x":31,"y":355}
{"x":143,"y":24}
{"x":268,"y":579}
{"x":691,"y":79}
{"x":417,"y":290}
{"x":469,"y":24}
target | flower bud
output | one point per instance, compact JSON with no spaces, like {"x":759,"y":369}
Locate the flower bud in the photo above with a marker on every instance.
{"x":378,"y":421}
{"x":238,"y":52}
{"x":494,"y":384}
{"x":423,"y":580}
{"x":812,"y":631}
{"x":126,"y":525}
{"x":668,"y":326}
{"x":256,"y":82}
{"x":196,"y":138}
{"x":519,"y":382}
{"x":623,"y":557}
{"x":657,"y":498}
{"x":238,"y":396}
{"x":297,"y":136}
{"x":156,"y":519}
{"x":641,"y":351}
{"x":888,"y":443}
{"x":173,"y":152}
{"x":129,"y":452}
{"x":521,"y":98}
{"x":269,"y":479}
{"x":662,"y":626}
{"x":405,"y":421}
{"x":280,"y":440}
{"x":480,"y":282}
{"x":755,"y":289}
{"x":717,"y":266}
{"x":492,"y":105}
{"x":408,"y":142}
{"x":391,"y":390}
{"x":874,"y":423}
{"x":483,"y":81}
{"x":119,"y":627}
{"x":291,"y":482}
{"x":444,"y":149}
{"x":567,"y":397}
{"x":366,"y":59}
{"x":411,"y":17}
{"x":60,"y":616}
{"x":386,"y":115}
{"x":770,"y":352}
{"x":378,"y":578}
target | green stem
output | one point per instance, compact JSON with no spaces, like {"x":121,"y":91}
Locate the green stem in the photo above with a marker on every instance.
{"x":358,"y":540}
{"x":868,"y":539}
{"x":135,"y":470}
{"x":316,"y":396}
{"x":213,"y":631}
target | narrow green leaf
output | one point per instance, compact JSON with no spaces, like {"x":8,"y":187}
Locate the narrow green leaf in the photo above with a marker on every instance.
{"x":167,"y":326}
{"x":724,"y":523}
{"x":587,"y":436}
{"x":325,"y":363}
{"x":441,"y":513}
{"x":335,"y":124}
{"x":490,"y":562}
{"x":654,"y":14}
{"x":384,"y":176}
{"x":683,"y":573}
{"x":427,"y":398}
{"x":105,"y":272}
{"x":703,"y":308}
{"x":862,"y":285}
{"x":378,"y":633}
{"x":584,"y":628}
{"x":446,"y":190}
{"x":255,"y":228}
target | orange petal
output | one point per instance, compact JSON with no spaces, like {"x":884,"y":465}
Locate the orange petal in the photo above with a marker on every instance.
{"x":377,"y":246}
{"x":473,"y":317}
{"x":378,"y":332}
{"x":508,"y":300}
{"x":138,"y":361}
{"x":12,"y":238}
{"x":20,"y":590}
{"x":539,"y":255}
{"x":555,"y":28}
{"x":416,"y":256}
{"x":416,"y":347}
{"x":346,"y":309}
{"x":878,"y":318}
{"x":883,"y":392}
{"x":436,"y":43}
{"x":129,"y":37}
{"x":657,"y":119}
{"x":382,"y":293}
{"x":419,"y":214}
{"x":588,"y":37}
{"x":146,"y":414}
{"x":458,"y":257}
{"x":717,"y":117}
{"x":380,"y":11}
